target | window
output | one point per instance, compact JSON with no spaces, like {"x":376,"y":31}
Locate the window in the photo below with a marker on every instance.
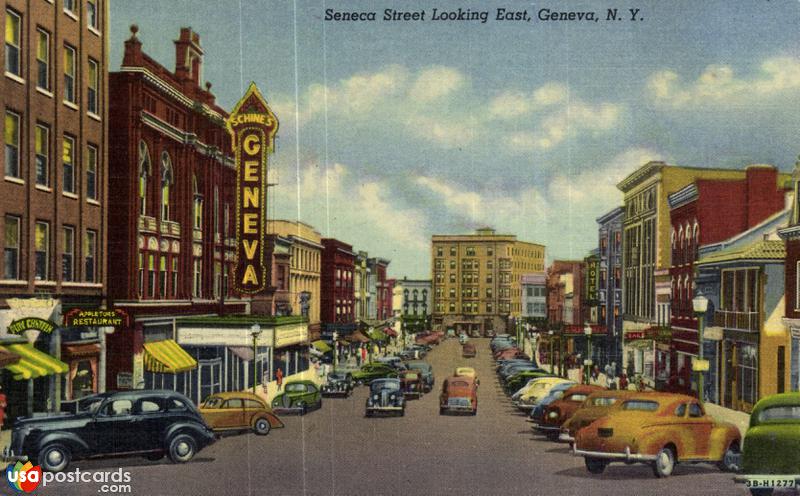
{"x":490,"y":251}
{"x":117,"y":407}
{"x":198,"y":205}
{"x":452,"y":251}
{"x":151,"y":276}
{"x":42,"y":245}
{"x":91,"y":172}
{"x":13,"y":43}
{"x":141,"y":274}
{"x":90,"y":257}
{"x":42,"y":147}
{"x":69,"y":5}
{"x":68,"y":254}
{"x":43,"y":59}
{"x":217,"y":279}
{"x":452,"y":278}
{"x":12,"y":144}
{"x":452,"y":264}
{"x":166,"y":182}
{"x":92,"y":14}
{"x":216,"y":210}
{"x":162,"y":275}
{"x":68,"y":158}
{"x":144,"y":171}
{"x":11,"y":247}
{"x":439,"y":251}
{"x":695,"y":411}
{"x":174,"y":277}
{"x":149,"y":405}
{"x":198,"y":272}
{"x":92,"y":88}
{"x":69,"y":74}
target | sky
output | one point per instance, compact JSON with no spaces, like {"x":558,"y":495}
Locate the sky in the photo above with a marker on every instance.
{"x":391,"y":132}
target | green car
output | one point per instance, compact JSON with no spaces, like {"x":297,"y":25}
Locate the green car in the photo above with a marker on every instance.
{"x":299,"y":397}
{"x":516,"y":381}
{"x":374,"y":370}
{"x":771,"y":455}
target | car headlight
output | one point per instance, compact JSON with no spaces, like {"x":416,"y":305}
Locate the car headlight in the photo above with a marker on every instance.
{"x":375,"y":397}
{"x":392,"y":397}
{"x":552,"y":415}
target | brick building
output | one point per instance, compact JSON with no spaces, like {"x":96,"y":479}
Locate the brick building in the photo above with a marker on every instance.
{"x":337,"y":308}
{"x":53,"y":197}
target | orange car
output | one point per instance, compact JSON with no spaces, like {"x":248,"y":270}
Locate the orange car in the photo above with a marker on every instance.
{"x":459,"y":394}
{"x":597,"y":405}
{"x":234,"y":411}
{"x":660,"y":429}
{"x":560,"y":410}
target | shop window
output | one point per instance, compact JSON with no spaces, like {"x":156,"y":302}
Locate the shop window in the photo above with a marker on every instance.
{"x":11,"y":247}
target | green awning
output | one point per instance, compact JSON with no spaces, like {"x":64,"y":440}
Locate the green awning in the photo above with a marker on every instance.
{"x":378,"y":335}
{"x":321,"y":346}
{"x":32,"y":362}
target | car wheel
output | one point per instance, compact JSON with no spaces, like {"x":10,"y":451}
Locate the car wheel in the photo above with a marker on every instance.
{"x":728,"y":462}
{"x":553,"y":435}
{"x":761,"y":491}
{"x":154,"y":457}
{"x":665,"y":462}
{"x":262,"y":427}
{"x":182,"y":448}
{"x":368,"y":413}
{"x":441,"y":411}
{"x":403,"y":412}
{"x":595,"y":465}
{"x":54,"y":458}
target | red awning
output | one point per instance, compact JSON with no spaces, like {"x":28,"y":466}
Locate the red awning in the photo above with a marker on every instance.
{"x":357,"y":337}
{"x":390,"y":332}
{"x":7,"y":358}
{"x":579,"y":329}
{"x":81,"y":350}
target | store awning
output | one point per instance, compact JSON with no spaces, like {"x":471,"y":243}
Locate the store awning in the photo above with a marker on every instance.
{"x":640,"y":344}
{"x":167,"y":357}
{"x":7,"y":358}
{"x":377,"y":335}
{"x":82,"y":350}
{"x":358,"y":337}
{"x":243,"y":352}
{"x":321,"y":346}
{"x":32,"y":362}
{"x":390,"y":332}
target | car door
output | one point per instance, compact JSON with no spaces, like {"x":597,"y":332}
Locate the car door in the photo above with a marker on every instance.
{"x":148,"y":423}
{"x":700,"y":425}
{"x":251,"y":408}
{"x":113,"y":426}
{"x":232,"y":414}
{"x":311,"y":395}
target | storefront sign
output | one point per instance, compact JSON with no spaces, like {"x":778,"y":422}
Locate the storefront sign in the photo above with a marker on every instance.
{"x":31,"y":324}
{"x":634,"y":335}
{"x":218,"y":336}
{"x":289,"y":335}
{"x":252,"y":126}
{"x":125,"y":380}
{"x":591,"y":279}
{"x":96,"y":318}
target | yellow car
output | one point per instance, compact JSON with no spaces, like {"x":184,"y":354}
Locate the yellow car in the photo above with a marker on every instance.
{"x":534,"y":391}
{"x":465,"y":372}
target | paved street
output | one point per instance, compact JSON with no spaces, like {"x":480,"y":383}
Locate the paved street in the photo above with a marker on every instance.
{"x":336,"y":450}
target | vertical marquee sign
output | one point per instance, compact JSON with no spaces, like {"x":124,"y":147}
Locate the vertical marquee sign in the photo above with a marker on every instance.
{"x":252,"y":126}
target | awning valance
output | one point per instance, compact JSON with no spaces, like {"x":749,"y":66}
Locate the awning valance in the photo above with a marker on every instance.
{"x":390,"y":332}
{"x":357,"y":337}
{"x":377,"y":335}
{"x":321,"y":346}
{"x":167,"y":357}
{"x":32,"y":362}
{"x":243,"y":352}
{"x":81,"y":350}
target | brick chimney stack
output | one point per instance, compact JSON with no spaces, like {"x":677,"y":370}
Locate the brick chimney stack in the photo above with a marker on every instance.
{"x":189,"y":57}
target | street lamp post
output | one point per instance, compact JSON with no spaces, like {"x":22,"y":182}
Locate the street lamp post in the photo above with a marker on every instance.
{"x":335,"y":349}
{"x":587,"y":331}
{"x":552,"y":356}
{"x":700,"y":306}
{"x":255,"y":331}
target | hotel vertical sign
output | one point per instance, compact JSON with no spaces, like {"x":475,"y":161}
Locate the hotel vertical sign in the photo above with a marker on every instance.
{"x":252,"y":126}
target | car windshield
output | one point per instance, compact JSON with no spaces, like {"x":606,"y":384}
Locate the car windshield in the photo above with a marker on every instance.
{"x":603,"y":401}
{"x":338,"y":376}
{"x":389,"y":385}
{"x":459,"y":384}
{"x":640,"y":405}
{"x":213,"y":402}
{"x":90,"y":404}
{"x":412,"y":377}
{"x":296,"y":388}
{"x":784,"y":412}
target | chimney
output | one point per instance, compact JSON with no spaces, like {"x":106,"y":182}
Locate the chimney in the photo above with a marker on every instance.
{"x":133,"y":48}
{"x":763,"y":196}
{"x":188,"y":57}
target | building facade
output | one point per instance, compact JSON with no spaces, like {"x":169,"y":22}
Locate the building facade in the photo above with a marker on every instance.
{"x":413,"y":304}
{"x":610,"y":281}
{"x":304,"y":271}
{"x":477,"y":280}
{"x":338,"y":303}
{"x":380,"y":292}
{"x":791,"y":236}
{"x":533,"y":288}
{"x":361,"y":286}
{"x":54,"y":197}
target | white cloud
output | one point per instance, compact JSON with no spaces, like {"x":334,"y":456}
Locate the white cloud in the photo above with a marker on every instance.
{"x":436,"y":82}
{"x":514,"y":104}
{"x":719,"y":84}
{"x":402,"y":225}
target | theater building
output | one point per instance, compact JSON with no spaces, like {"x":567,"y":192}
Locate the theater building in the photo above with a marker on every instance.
{"x":53,"y":199}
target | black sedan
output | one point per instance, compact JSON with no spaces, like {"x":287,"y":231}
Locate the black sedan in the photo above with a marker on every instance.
{"x":339,"y":383}
{"x":385,"y":397}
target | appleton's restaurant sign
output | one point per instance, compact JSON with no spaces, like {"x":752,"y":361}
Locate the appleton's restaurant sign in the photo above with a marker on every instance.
{"x":252,"y":126}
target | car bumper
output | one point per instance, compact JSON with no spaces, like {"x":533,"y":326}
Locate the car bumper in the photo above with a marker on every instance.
{"x":548,"y":428}
{"x":763,"y":480}
{"x":625,"y":456}
{"x":564,"y":437}
{"x":457,"y":408}
{"x":8,"y":456}
{"x":384,"y":408}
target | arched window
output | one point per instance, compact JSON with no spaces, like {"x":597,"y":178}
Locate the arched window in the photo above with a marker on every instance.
{"x":166,"y":183}
{"x":197,"y":210}
{"x":696,"y":239}
{"x":145,"y":170}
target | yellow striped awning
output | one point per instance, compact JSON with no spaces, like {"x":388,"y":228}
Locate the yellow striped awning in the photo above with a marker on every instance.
{"x":321,"y":346}
{"x":32,"y":362}
{"x":167,"y":357}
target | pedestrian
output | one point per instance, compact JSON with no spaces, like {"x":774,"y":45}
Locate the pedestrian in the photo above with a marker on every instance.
{"x":279,"y":378}
{"x":595,"y":373}
{"x":363,"y":354}
{"x":3,"y":406}
{"x":623,"y":381}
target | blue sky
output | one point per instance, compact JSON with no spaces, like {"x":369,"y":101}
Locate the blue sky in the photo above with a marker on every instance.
{"x":391,"y":132}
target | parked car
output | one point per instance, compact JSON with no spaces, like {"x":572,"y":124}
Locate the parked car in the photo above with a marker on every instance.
{"x":468,"y":350}
{"x":597,"y":405}
{"x":299,"y":397}
{"x":339,"y":383}
{"x":409,"y":354}
{"x":515,"y":368}
{"x":372,"y":371}
{"x":426,"y":371}
{"x":772,"y":442}
{"x":560,"y":410}
{"x":385,"y":396}
{"x":660,"y":429}
{"x":459,"y":394}
{"x":411,"y":384}
{"x":462,"y":338}
{"x":516,"y":381}
{"x":237,"y":411}
{"x":148,"y":422}
{"x":511,"y":353}
{"x":466,"y":372}
{"x":392,"y":361}
{"x":537,"y":413}
{"x":535,"y":390}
